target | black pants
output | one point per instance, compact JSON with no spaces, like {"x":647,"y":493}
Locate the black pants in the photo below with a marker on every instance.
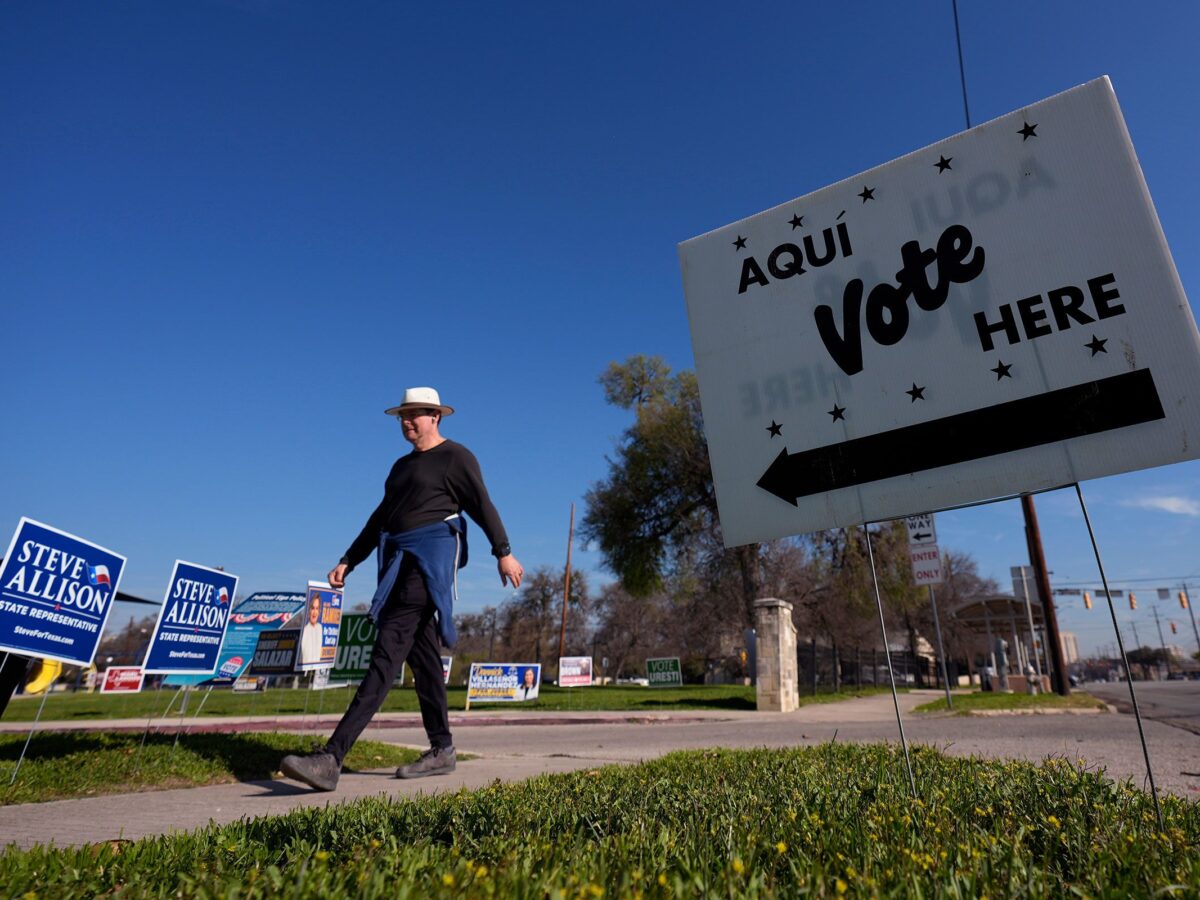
{"x":407,"y":629}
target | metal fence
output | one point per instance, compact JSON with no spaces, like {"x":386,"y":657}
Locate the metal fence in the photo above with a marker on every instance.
{"x":824,"y":668}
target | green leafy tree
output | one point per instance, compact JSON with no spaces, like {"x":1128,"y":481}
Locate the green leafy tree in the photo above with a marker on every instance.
{"x":654,"y":517}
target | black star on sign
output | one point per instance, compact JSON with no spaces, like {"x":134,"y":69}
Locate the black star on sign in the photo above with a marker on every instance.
{"x":1028,"y":131}
{"x":943,"y":164}
{"x":868,"y":193}
{"x":775,"y":429}
{"x":917,"y":393}
{"x":796,"y":221}
{"x":740,"y":243}
{"x":1002,"y":370}
{"x":838,"y":412}
{"x":1096,"y":345}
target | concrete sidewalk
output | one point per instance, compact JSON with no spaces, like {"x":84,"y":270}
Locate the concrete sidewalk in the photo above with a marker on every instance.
{"x":514,"y":747}
{"x":133,"y":816}
{"x":327,"y":721}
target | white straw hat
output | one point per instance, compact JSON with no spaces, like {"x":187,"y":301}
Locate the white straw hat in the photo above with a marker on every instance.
{"x":421,"y":398}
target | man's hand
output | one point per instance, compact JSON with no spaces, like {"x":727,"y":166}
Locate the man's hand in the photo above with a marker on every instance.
{"x":510,"y":570}
{"x":337,"y":576}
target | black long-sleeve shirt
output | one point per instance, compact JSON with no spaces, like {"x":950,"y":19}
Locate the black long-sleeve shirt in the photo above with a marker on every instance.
{"x":428,"y":486}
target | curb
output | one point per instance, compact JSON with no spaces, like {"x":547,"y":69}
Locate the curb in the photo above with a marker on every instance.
{"x":1039,"y":712}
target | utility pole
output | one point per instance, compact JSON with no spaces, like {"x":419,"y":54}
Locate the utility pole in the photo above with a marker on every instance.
{"x":562,"y":635}
{"x":1162,"y":643}
{"x":1033,"y":537}
{"x":1192,"y":613}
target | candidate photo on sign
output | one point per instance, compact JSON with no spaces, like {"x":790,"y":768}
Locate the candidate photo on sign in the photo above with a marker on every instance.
{"x":310,"y":635}
{"x":528,"y":689}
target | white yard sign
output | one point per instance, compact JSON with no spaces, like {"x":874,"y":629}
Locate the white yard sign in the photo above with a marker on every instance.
{"x":994,"y":314}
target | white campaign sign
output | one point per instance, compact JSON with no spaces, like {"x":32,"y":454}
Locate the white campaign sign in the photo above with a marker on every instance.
{"x":996,"y":313}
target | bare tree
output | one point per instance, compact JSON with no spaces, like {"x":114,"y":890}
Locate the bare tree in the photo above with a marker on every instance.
{"x":530,"y":623}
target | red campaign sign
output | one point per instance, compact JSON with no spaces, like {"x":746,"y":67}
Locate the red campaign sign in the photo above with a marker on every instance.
{"x":122,"y":679}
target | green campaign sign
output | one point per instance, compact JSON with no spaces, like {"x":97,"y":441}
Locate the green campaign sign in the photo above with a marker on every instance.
{"x":665,"y":672}
{"x":354,"y":648}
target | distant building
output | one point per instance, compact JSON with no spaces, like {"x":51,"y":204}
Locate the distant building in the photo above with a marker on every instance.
{"x":1070,"y":647}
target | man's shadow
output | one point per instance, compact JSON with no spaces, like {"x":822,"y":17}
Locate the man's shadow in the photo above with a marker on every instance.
{"x":285,"y":787}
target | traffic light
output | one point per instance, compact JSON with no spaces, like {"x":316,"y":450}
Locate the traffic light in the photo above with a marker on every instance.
{"x":1087,"y":599}
{"x":1132,"y":601}
{"x":1174,"y":630}
{"x":1182,"y":600}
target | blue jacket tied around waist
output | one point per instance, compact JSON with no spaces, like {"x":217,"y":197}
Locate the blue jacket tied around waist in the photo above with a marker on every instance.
{"x":440,"y":550}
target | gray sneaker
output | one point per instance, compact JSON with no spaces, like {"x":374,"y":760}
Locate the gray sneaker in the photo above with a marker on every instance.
{"x":318,"y":770}
{"x":434,"y":761}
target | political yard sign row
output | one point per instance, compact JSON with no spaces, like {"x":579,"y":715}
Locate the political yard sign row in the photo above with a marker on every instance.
{"x":254,"y":615}
{"x":57,"y":591}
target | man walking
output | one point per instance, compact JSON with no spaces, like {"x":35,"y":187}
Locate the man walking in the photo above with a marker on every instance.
{"x":419,"y":534}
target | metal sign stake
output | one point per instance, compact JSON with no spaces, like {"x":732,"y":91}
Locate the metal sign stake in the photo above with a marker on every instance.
{"x":912,"y":783}
{"x":182,"y":712}
{"x":937,"y":626}
{"x":149,"y":722}
{"x":1124,"y":659}
{"x":203,"y":700}
{"x":32,"y":728}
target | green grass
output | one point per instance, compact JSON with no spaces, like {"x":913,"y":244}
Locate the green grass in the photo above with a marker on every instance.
{"x":965,"y":704}
{"x":284,"y":701}
{"x":84,"y":764}
{"x":823,"y":821}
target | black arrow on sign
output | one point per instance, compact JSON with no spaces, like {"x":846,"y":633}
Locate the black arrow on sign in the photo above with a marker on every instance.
{"x":921,"y":534}
{"x":1089,"y":408}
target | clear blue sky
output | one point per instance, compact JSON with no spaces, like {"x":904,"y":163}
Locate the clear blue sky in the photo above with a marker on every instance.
{"x":233,"y":232}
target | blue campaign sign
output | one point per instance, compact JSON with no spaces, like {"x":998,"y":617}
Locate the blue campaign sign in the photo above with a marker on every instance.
{"x":56,"y":591}
{"x":192,"y":620}
{"x":251,"y":617}
{"x":503,"y":682}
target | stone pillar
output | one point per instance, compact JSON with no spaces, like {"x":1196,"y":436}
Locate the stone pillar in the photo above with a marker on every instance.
{"x":777,"y":669}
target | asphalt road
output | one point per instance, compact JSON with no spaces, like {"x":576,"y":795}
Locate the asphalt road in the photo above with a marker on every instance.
{"x":1173,"y":702}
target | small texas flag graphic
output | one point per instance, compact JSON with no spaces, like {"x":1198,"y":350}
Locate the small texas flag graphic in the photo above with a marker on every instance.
{"x":98,"y":575}
{"x":223,"y":595}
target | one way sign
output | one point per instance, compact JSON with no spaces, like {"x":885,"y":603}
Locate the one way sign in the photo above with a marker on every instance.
{"x":920,"y":530}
